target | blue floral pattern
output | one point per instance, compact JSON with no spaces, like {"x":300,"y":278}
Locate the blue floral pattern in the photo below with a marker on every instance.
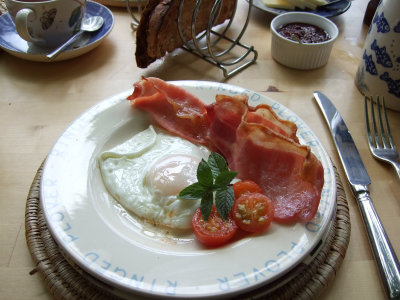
{"x":381,"y":57}
{"x":369,"y":64}
{"x":397,"y":28}
{"x":393,"y":85}
{"x":382,"y":24}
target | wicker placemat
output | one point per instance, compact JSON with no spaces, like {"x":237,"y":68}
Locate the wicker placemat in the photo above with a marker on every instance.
{"x":65,"y":281}
{"x":3,"y":8}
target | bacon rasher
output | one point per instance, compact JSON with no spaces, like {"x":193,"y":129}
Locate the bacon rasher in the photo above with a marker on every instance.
{"x":172,"y":108}
{"x":255,"y":142}
{"x":288,"y":172}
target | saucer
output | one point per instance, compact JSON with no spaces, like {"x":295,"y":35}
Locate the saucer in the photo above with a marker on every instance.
{"x":12,"y":43}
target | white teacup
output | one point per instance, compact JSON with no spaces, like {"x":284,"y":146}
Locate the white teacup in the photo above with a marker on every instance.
{"x":46,"y":23}
{"x":379,"y":71}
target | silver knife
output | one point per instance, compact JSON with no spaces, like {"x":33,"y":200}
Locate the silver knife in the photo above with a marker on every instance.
{"x":385,"y":256}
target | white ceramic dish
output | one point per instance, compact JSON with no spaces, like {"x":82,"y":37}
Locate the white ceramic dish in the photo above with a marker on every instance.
{"x":12,"y":43}
{"x":133,"y":258}
{"x":298,"y":55}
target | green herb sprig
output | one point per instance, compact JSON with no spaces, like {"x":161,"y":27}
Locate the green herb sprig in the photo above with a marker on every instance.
{"x":214,"y":178}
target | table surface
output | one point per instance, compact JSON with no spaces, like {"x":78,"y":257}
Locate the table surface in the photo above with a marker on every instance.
{"x":39,"y":100}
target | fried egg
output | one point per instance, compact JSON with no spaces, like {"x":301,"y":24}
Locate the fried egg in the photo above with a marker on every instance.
{"x":146,"y":173}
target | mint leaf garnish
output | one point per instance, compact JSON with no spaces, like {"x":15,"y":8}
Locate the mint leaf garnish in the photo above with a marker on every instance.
{"x":193,"y":192}
{"x":206,"y":204}
{"x":214,"y":177}
{"x":224,"y":199}
{"x":217,"y":164}
{"x":223,"y":179}
{"x":204,"y":174}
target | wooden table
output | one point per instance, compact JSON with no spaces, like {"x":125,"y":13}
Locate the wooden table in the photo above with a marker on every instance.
{"x":39,"y":100}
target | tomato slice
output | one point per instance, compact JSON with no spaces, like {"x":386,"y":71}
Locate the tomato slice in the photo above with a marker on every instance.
{"x":245,"y":186}
{"x":214,"y":232}
{"x":253,"y":212}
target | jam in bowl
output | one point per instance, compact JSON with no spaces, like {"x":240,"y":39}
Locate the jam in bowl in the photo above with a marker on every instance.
{"x":303,"y":33}
{"x":302,"y":40}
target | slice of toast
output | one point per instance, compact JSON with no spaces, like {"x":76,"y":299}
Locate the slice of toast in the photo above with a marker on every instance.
{"x":158,"y":31}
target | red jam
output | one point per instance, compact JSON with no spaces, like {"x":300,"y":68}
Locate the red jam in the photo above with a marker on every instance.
{"x":303,"y":33}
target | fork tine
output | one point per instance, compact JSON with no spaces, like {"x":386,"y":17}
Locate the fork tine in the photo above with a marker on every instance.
{"x":383,"y":131}
{"x":389,"y":135}
{"x":387,"y":153}
{"x":374,"y":128}
{"x":370,"y":142}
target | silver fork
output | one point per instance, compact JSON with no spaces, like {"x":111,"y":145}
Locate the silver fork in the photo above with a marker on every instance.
{"x":381,"y":143}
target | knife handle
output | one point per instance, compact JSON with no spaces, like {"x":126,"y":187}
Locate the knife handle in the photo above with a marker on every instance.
{"x":387,"y":261}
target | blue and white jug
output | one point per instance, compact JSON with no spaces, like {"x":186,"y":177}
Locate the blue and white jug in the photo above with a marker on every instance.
{"x":379,"y":71}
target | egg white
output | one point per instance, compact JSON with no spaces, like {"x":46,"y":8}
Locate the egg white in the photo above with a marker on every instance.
{"x":145,"y":174}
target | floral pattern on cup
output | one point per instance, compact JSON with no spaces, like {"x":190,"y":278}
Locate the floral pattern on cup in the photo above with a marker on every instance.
{"x":47,"y":18}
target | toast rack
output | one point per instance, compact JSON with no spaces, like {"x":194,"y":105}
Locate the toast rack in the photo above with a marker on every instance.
{"x":215,"y":47}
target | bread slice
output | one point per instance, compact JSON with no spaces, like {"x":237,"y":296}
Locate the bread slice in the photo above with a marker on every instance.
{"x":158,"y":32}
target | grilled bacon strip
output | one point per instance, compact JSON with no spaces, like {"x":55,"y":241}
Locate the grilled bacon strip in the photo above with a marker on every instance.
{"x":255,"y":142}
{"x":172,"y":108}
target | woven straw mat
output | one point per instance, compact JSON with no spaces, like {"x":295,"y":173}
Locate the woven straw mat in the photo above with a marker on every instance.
{"x":64,"y":280}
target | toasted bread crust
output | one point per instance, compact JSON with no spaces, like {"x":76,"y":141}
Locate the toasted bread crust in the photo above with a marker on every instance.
{"x":142,"y":58}
{"x":158,"y":31}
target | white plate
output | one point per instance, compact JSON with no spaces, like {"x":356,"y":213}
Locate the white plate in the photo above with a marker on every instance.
{"x":112,"y":245}
{"x":12,"y":43}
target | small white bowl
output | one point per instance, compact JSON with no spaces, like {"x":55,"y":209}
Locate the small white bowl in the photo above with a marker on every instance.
{"x":298,"y":55}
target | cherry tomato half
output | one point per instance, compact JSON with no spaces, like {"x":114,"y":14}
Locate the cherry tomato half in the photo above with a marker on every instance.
{"x":215,"y":231}
{"x":253,"y":212}
{"x":245,"y":186}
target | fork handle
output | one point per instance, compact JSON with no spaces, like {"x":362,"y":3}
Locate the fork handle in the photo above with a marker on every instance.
{"x":387,"y":261}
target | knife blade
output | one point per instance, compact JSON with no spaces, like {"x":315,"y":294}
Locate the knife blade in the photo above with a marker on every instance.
{"x":358,"y":178}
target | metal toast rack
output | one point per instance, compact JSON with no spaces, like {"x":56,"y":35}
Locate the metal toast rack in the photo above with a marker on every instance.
{"x":214,"y":46}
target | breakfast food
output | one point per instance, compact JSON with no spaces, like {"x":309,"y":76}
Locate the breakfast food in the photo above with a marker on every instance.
{"x":280,"y":4}
{"x":256,"y":143}
{"x":180,"y":171}
{"x":146,"y":173}
{"x":215,"y":231}
{"x":172,"y":108}
{"x":158,"y":31}
{"x":253,"y":211}
{"x":303,"y":33}
{"x":293,"y":4}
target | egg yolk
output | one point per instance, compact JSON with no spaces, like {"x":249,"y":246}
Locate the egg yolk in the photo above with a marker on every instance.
{"x":173,"y":173}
